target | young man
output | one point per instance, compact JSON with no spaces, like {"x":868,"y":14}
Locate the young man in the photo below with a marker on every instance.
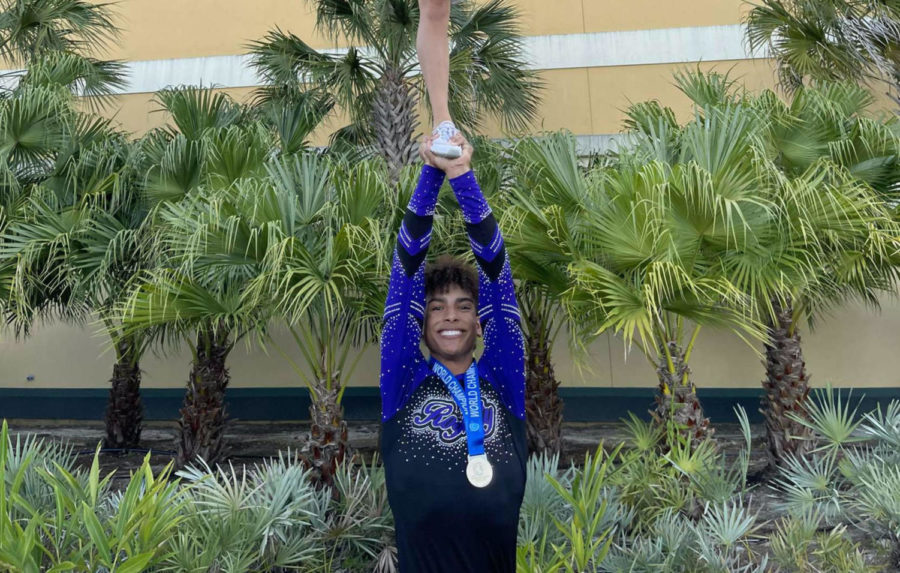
{"x":453,"y":429}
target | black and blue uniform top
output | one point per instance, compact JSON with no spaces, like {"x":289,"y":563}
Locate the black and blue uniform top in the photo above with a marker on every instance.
{"x":443,"y":523}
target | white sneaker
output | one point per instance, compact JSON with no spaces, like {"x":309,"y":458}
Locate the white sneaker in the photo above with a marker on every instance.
{"x":442,"y":146}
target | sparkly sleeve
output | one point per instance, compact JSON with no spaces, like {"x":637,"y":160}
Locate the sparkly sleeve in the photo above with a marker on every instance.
{"x":403,"y":366}
{"x":503,"y":360}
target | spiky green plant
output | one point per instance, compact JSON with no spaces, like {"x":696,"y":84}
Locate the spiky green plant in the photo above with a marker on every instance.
{"x":800,"y":544}
{"x":257,"y":518}
{"x":78,"y":523}
{"x":718,"y":543}
{"x":843,"y":481}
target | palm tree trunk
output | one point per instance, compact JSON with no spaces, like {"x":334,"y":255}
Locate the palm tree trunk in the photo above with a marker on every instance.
{"x":394,"y":121}
{"x":124,"y":411}
{"x":201,"y":428}
{"x":543,"y":406}
{"x":677,"y":398}
{"x":327,"y":446}
{"x":786,"y":389}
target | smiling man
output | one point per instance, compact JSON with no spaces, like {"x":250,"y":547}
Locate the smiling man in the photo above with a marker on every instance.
{"x":453,"y":428}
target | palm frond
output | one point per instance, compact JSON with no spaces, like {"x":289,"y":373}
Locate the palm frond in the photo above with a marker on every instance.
{"x":825,"y":40}
{"x":295,"y":117}
{"x":488,"y":74}
{"x":286,"y":63}
{"x":34,"y":27}
{"x":351,"y":19}
{"x":194,"y":110}
{"x":82,"y":75}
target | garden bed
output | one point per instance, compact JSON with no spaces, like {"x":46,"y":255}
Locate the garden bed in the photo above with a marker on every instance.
{"x":253,"y":442}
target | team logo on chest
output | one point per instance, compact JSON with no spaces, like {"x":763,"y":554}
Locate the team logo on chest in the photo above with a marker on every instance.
{"x":441,"y":416}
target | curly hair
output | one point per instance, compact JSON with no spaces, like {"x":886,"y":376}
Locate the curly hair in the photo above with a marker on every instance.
{"x":447,"y":271}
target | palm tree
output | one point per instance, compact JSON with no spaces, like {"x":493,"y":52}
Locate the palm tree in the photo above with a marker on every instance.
{"x":292,"y":245}
{"x":73,"y":198}
{"x":248,"y":237}
{"x":378,"y":82}
{"x":633,"y":243}
{"x":323,"y":278}
{"x":826,"y":129}
{"x":215,"y":144}
{"x":78,"y":242}
{"x":829,"y":171}
{"x":184,"y":298}
{"x":694,"y":226}
{"x":66,"y":197}
{"x":828,"y":39}
{"x":543,"y":281}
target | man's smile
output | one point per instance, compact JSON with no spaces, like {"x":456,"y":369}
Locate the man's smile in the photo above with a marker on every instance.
{"x":450,"y":333}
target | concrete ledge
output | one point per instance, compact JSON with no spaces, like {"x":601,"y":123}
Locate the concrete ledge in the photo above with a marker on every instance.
{"x":282,"y":404}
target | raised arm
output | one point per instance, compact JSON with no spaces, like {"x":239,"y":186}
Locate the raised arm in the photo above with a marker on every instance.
{"x":503,"y":360}
{"x":402,"y":365}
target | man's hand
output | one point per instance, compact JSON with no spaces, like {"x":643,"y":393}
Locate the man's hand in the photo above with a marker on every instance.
{"x":452,"y":167}
{"x":426,"y":144}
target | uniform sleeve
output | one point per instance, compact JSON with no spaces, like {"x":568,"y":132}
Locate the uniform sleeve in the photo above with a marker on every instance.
{"x":503,"y":360}
{"x":403,"y":367}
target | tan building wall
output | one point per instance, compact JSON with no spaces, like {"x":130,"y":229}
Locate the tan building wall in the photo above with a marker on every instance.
{"x":853,"y":348}
{"x":584,"y":100}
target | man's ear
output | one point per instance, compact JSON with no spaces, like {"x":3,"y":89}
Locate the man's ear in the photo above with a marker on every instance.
{"x":478,"y":331}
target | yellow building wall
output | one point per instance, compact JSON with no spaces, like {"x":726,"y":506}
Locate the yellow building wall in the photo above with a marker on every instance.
{"x":159,"y":29}
{"x":583,"y":100}
{"x":853,"y":348}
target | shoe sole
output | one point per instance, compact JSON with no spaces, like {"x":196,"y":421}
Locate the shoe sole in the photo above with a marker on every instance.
{"x":448,"y":151}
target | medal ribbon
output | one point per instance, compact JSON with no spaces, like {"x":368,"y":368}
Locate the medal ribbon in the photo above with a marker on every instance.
{"x":469,"y":402}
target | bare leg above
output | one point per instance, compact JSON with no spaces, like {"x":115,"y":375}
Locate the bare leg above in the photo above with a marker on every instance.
{"x":433,"y":46}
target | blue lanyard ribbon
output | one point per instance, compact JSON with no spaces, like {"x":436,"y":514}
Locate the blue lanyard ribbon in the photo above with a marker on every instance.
{"x":469,"y":402}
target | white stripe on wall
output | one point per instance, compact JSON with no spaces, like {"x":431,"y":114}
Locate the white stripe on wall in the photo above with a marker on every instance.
{"x":600,"y":143}
{"x":601,"y":49}
{"x":639,"y":47}
{"x":589,"y":144}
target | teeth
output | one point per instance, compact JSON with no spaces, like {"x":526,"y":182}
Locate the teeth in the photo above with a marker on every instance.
{"x":451,"y":332}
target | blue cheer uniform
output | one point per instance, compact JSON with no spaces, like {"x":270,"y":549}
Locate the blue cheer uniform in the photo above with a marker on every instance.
{"x":444,"y":523}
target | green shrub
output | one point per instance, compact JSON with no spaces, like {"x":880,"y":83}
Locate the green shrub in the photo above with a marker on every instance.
{"x":654,"y":503}
{"x":852,"y":479}
{"x":800,"y":545}
{"x":56,"y":518}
